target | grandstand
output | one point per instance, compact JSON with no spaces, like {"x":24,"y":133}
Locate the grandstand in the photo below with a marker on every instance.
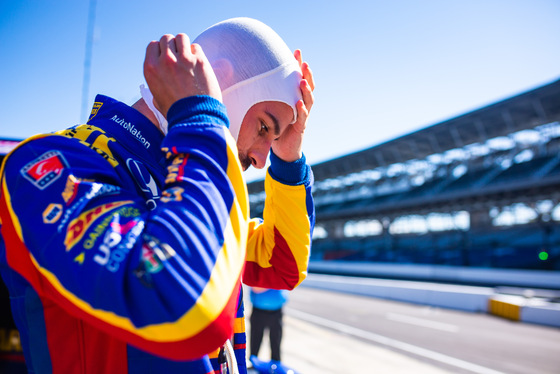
{"x":481,"y":189}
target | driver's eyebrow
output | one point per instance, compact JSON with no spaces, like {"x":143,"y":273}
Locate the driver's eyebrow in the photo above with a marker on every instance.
{"x":275,"y":122}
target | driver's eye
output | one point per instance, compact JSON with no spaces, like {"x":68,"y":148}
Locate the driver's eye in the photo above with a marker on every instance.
{"x":264,"y":127}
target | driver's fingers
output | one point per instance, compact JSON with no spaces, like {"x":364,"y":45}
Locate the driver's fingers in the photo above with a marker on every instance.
{"x":308,"y":75}
{"x":152,"y":52}
{"x":297,"y":55}
{"x":182,"y":44}
{"x":302,"y":115}
{"x":307,"y":94}
{"x":167,"y":43}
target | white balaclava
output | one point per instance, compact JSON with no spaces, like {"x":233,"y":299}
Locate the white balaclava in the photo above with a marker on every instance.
{"x":252,"y":64}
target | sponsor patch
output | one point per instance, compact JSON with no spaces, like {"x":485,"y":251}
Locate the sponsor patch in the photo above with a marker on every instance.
{"x":52,"y":213}
{"x":96,"y":190}
{"x":71,"y":188}
{"x":93,"y":137}
{"x":116,"y":247}
{"x":154,"y":254}
{"x":96,"y":106}
{"x":78,"y":226}
{"x":145,"y":181}
{"x":126,"y":211}
{"x":137,"y":134}
{"x":45,"y":169}
{"x":152,"y":264}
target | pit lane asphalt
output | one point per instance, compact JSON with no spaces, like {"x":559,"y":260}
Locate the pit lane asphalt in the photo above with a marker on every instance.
{"x":333,"y":332}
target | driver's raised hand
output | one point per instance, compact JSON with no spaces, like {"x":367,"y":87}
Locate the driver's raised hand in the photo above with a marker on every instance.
{"x":175,"y":69}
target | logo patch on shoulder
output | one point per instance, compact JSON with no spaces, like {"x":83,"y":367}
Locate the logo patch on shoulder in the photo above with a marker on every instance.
{"x":45,"y":169}
{"x":96,"y":106}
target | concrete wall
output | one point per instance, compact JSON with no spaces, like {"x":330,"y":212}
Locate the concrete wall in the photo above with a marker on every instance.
{"x":439,"y":273}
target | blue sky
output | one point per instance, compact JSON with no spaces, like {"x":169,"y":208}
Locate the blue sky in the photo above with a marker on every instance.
{"x":382,"y":68}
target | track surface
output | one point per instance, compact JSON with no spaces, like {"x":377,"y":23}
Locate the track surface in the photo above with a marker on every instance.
{"x":453,"y":341}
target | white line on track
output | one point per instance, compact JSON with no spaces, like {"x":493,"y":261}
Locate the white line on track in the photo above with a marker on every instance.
{"x":422,"y":322}
{"x":390,"y":342}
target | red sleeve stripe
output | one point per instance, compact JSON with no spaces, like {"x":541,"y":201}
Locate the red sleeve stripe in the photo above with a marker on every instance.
{"x":283,"y":274}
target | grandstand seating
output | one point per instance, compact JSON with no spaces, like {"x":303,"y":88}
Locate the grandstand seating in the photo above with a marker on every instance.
{"x":524,"y":170}
{"x":504,"y":247}
{"x":469,"y":180}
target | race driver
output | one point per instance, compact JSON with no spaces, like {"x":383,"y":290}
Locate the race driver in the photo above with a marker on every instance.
{"x":125,"y":240}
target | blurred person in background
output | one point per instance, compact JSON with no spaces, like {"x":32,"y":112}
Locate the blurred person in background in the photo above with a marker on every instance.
{"x":266,"y":315}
